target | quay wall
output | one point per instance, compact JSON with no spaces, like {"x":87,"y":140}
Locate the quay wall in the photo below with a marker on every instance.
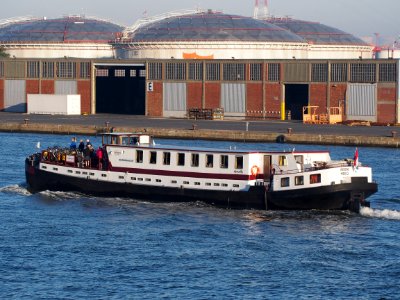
{"x":226,"y":135}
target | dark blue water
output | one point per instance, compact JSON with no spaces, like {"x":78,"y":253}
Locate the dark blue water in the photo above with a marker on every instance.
{"x":70,"y":246}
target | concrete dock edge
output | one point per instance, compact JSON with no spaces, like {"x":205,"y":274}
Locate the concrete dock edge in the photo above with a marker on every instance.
{"x":225,"y":135}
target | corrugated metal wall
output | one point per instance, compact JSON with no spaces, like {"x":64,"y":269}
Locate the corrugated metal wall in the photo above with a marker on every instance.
{"x":15,"y":95}
{"x":297,"y":72}
{"x":66,"y":87}
{"x":233,"y":98}
{"x":361,"y":102}
{"x":14,"y":69}
{"x":174,"y":99}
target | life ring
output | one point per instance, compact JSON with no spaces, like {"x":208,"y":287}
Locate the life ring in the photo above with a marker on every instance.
{"x":255,"y":170}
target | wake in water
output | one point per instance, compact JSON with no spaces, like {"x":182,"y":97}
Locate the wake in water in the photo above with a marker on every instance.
{"x":15,"y":189}
{"x":378,"y":213}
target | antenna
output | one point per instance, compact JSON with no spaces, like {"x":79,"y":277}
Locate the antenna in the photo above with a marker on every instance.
{"x":262,"y":14}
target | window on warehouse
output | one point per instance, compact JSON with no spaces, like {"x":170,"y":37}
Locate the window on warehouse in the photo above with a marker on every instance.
{"x":33,"y":69}
{"x":155,"y":71}
{"x":387,"y":72}
{"x":48,"y":69}
{"x":66,"y":69}
{"x":274,"y":72}
{"x":319,"y":72}
{"x":339,"y":72}
{"x":213,"y":72}
{"x":362,"y":72}
{"x":234,"y":72}
{"x":175,"y":71}
{"x":196,"y":71}
{"x":256,"y":72}
{"x":84,"y":70}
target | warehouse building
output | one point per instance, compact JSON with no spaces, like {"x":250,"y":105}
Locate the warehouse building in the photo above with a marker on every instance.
{"x":167,"y":65}
{"x":365,"y":89}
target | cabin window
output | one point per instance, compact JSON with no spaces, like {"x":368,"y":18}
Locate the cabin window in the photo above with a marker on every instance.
{"x":139,"y":156}
{"x":133,"y":140}
{"x":104,"y":175}
{"x":125,"y":140}
{"x":235,"y":185}
{"x":224,"y":161}
{"x":133,"y":178}
{"x":181,"y":159}
{"x":114,"y":140}
{"x":158,"y":180}
{"x":84,"y":173}
{"x":77,"y":172}
{"x":285,"y":182}
{"x":167,"y":158}
{"x":148,"y":179}
{"x":140,"y":179}
{"x":299,"y":159}
{"x":216,"y":184}
{"x":224,"y":185}
{"x":44,"y":167}
{"x":186,"y":182}
{"x":283,"y":160}
{"x":209,"y":160}
{"x":315,"y":178}
{"x":70,"y":171}
{"x":120,"y":177}
{"x":153,"y":157}
{"x":299,"y":180}
{"x":195,"y":160}
{"x":239,"y":162}
{"x":208,"y":184}
{"x":56,"y":169}
{"x":197,"y":183}
{"x":92,"y":174}
{"x":174,"y":181}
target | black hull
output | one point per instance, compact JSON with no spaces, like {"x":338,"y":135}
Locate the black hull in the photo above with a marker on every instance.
{"x":335,"y":197}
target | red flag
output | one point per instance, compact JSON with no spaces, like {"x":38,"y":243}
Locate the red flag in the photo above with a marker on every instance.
{"x":356,"y":158}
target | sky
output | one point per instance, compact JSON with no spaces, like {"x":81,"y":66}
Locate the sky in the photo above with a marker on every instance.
{"x":362,"y":18}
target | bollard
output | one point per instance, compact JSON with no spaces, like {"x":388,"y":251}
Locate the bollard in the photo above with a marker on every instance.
{"x":26,"y":121}
{"x":247,"y":126}
{"x":107,"y":124}
{"x":194,"y":126}
{"x":394,"y":134}
{"x":289,"y":130}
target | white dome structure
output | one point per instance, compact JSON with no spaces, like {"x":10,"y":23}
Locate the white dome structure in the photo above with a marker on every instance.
{"x":214,"y":35}
{"x":70,"y":36}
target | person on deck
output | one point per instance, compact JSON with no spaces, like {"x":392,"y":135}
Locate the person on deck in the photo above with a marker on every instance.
{"x":72,"y":146}
{"x":81,"y":146}
{"x":99,"y":154}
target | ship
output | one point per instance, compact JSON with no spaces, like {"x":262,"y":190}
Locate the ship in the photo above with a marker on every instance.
{"x":133,"y":166}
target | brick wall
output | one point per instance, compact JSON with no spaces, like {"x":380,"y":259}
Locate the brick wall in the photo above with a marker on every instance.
{"x":213,"y":95}
{"x":84,"y":89}
{"x":32,"y":87}
{"x":1,"y":94}
{"x":194,"y":94}
{"x":154,"y":105}
{"x":47,"y":87}
{"x":254,"y":99}
{"x":387,"y":103}
{"x":273,"y":99}
{"x":338,"y":94}
{"x":318,"y":97}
